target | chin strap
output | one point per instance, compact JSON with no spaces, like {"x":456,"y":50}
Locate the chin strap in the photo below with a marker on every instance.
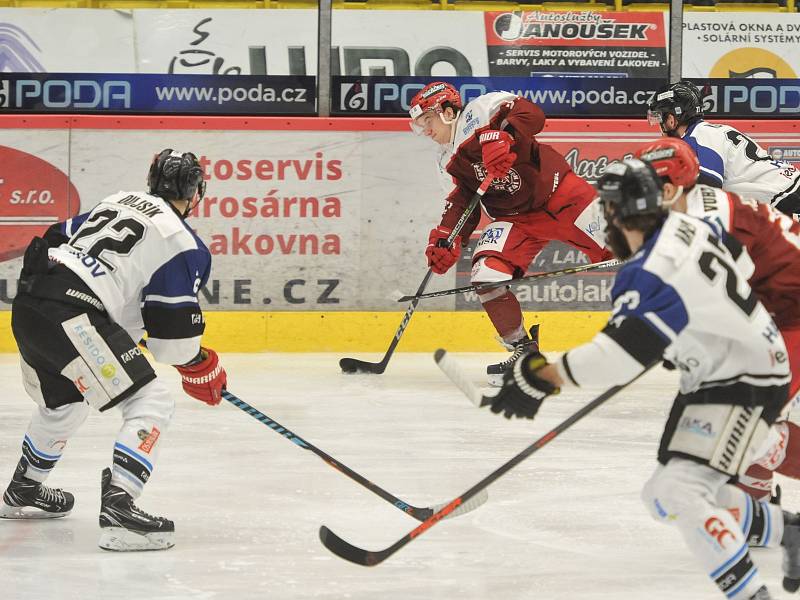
{"x":452,"y":123}
{"x":678,"y":193}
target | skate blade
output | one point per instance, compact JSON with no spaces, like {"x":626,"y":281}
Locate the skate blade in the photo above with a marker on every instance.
{"x":119,"y":539}
{"x":28,"y":512}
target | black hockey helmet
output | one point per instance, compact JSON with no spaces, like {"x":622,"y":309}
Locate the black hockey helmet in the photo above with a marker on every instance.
{"x":683,"y":100}
{"x":631,"y":187}
{"x":176,"y":175}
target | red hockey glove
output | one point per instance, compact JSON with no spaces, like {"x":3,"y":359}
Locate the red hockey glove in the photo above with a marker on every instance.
{"x":523,"y":390}
{"x":440,"y":257}
{"x":497,"y":155}
{"x":204,"y":380}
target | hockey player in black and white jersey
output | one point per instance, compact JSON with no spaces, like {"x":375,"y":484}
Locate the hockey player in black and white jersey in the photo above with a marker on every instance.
{"x":681,"y":296}
{"x":129,"y":267}
{"x":728,"y":158}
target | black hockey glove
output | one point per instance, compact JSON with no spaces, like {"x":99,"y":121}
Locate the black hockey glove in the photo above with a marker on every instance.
{"x":523,"y":391}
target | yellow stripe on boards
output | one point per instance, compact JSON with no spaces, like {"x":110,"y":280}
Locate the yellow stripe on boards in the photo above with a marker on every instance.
{"x":229,"y":331}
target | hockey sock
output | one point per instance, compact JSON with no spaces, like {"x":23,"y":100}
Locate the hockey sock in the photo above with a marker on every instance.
{"x":791,"y":461}
{"x":781,"y":454}
{"x":506,"y":315}
{"x":146,"y":415}
{"x":756,"y":481}
{"x":717,"y":542}
{"x":760,"y":521}
{"x":47,"y":436}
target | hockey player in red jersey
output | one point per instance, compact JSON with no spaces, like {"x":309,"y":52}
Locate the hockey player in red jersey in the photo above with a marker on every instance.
{"x":772,"y":241}
{"x":534,"y":198}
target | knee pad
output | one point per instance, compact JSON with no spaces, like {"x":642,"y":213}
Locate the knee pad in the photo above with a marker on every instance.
{"x":61,"y":422}
{"x":681,"y":488}
{"x":153,"y":402}
{"x":491,"y":269}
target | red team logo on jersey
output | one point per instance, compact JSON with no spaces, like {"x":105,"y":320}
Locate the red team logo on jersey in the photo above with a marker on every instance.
{"x":33,"y":195}
{"x":510,"y":183}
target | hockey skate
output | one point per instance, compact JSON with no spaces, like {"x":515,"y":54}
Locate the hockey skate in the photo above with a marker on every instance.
{"x":495,"y":372}
{"x":790,"y":544}
{"x":127,"y":528}
{"x":29,"y":499}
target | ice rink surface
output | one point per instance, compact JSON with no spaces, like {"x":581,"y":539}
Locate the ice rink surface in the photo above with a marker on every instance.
{"x":567,"y":524}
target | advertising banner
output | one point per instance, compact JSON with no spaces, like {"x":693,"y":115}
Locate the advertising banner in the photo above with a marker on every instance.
{"x":226,"y":42}
{"x":295,"y":220}
{"x":141,"y":93}
{"x":572,"y":97}
{"x":734,"y":45}
{"x":558,"y":96}
{"x":330,"y":218}
{"x":66,"y":40}
{"x":284,"y":42}
{"x":385,"y":42}
{"x":778,"y":98}
{"x":577,"y":43}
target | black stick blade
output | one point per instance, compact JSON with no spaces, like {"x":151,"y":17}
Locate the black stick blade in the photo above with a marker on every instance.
{"x":353,"y":365}
{"x":406,"y":298}
{"x":347,"y":551}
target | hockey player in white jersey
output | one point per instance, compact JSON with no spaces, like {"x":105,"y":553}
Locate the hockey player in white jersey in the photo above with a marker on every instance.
{"x":728,"y":158}
{"x":129,"y":267}
{"x":682,"y":296}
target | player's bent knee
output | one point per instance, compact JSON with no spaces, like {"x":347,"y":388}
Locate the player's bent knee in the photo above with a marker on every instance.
{"x":491,"y":269}
{"x":152,"y":402}
{"x":680,"y":489}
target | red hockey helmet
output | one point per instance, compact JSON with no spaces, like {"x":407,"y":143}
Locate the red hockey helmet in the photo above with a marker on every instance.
{"x":673,"y":160}
{"x":433,"y":97}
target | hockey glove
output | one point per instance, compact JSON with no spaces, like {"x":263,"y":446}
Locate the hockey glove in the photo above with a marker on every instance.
{"x":205,"y":379}
{"x":496,"y":150}
{"x":523,"y":391}
{"x":440,"y":256}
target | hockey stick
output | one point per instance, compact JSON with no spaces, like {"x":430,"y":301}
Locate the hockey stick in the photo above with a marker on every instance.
{"x":418,"y":513}
{"x":494,"y":284}
{"x":370,"y":558}
{"x":353,"y":365}
{"x":456,"y":374}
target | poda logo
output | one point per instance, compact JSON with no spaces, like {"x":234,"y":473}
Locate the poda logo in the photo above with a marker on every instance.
{"x":751,"y":63}
{"x":353,"y":96}
{"x":33,"y":195}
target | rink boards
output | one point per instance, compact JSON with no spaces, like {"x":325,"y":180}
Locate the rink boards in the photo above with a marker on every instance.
{"x":313,"y":224}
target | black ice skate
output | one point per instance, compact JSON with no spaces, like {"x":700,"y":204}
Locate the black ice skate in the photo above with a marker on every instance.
{"x":125,"y":527}
{"x":29,"y":499}
{"x":790,"y":544}
{"x":495,"y":372}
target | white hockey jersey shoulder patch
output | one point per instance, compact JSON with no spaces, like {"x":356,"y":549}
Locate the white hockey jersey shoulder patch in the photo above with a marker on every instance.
{"x":477,"y":113}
